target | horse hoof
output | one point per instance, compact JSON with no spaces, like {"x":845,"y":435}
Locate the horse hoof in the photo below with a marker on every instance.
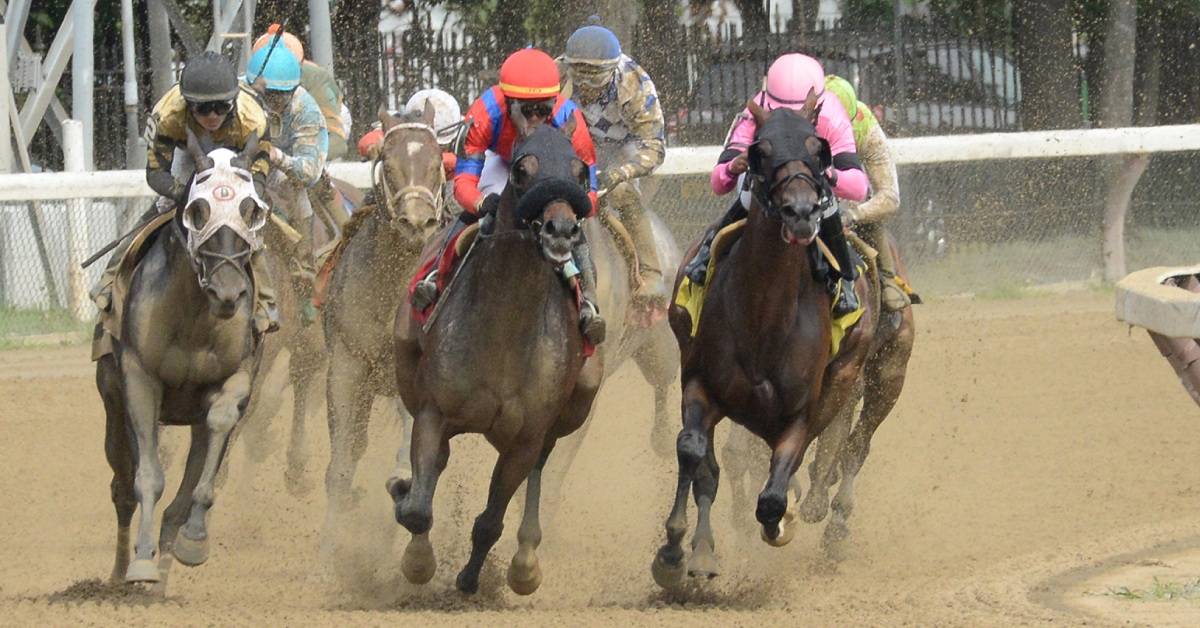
{"x":142,"y":570}
{"x":418,"y":564}
{"x":814,"y":510}
{"x":298,"y":484}
{"x":524,"y":573}
{"x":190,"y":552}
{"x":703,"y":563}
{"x":666,"y":576}
{"x":785,"y":531}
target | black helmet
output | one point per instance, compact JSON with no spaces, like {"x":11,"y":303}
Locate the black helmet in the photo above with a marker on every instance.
{"x":208,"y":77}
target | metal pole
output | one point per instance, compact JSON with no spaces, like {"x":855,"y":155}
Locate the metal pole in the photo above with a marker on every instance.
{"x":82,"y":74}
{"x":898,"y":54}
{"x":6,"y":156}
{"x":131,"y":95}
{"x":77,"y":222}
{"x":14,"y":25}
{"x":321,"y":36}
{"x":161,"y":55}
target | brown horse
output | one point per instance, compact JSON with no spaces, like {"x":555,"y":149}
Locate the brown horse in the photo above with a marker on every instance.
{"x":502,"y":356}
{"x":185,"y":354}
{"x":379,"y":255}
{"x":760,"y":350}
{"x":886,"y":337}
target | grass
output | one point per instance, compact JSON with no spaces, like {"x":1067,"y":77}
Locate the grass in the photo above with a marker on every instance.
{"x":1161,"y":590}
{"x":19,"y":325}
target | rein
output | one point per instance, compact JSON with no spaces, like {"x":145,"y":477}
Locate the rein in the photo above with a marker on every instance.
{"x":420,"y":192}
{"x":819,"y":184}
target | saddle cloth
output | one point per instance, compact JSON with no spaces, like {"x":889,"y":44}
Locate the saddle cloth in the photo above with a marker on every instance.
{"x":109,"y":328}
{"x":691,"y":296}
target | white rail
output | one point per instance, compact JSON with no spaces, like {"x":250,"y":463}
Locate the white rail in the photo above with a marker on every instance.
{"x":698,"y":160}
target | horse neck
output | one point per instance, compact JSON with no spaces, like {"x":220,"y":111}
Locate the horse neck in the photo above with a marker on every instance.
{"x":181,"y":282}
{"x":773,"y":274}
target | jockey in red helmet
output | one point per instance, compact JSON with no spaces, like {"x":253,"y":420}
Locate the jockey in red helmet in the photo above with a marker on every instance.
{"x":528,"y":77}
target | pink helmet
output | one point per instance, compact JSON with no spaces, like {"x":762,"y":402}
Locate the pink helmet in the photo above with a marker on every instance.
{"x":791,"y":77}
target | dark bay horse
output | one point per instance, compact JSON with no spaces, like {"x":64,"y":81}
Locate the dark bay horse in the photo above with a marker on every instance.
{"x":760,"y":350}
{"x":185,"y":354}
{"x":378,"y":257}
{"x":886,"y":339}
{"x":502,"y":356}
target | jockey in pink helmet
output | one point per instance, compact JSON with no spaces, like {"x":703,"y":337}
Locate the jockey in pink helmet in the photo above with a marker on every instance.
{"x":789,"y":81}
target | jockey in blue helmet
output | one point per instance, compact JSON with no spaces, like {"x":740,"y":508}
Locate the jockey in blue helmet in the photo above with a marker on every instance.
{"x":299,"y":148}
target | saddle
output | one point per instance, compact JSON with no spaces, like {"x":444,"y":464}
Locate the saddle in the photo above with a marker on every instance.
{"x":691,"y":297}
{"x":109,"y":328}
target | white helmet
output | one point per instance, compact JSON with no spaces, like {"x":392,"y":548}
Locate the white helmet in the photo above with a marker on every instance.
{"x":446,"y":112}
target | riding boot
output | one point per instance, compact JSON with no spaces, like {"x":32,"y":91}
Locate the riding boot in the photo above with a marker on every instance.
{"x":425,"y":293}
{"x":894,"y":297}
{"x":266,"y":316}
{"x":591,"y":324}
{"x":304,"y":270}
{"x":626,"y":200}
{"x":697,"y":269}
{"x":833,"y":234}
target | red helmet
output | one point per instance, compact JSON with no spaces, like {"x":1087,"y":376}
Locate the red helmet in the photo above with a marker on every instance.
{"x":529,"y":73}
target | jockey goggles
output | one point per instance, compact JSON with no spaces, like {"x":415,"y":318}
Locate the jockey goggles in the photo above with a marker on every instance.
{"x":537,"y":108}
{"x":589,"y":75}
{"x":219,"y":107}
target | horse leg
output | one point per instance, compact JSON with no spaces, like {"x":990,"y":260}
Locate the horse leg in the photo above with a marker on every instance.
{"x":691,"y":447}
{"x":143,"y":394}
{"x":772,"y":508}
{"x":120,"y":454}
{"x":191,"y":544}
{"x":822,"y":471}
{"x":658,"y":360}
{"x":512,"y":467}
{"x":403,"y":470}
{"x":176,"y":513}
{"x":305,"y":364}
{"x":884,"y":379}
{"x":349,"y":407}
{"x":704,"y":490}
{"x":524,"y":573}
{"x":414,"y":498}
{"x":740,"y":448}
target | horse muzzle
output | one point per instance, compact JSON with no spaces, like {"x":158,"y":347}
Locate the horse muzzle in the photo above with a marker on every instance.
{"x":799,"y":230}
{"x":558,"y":236}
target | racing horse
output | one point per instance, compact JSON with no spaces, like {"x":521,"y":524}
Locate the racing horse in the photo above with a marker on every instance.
{"x":379,"y":253}
{"x":759,"y":352}
{"x":502,"y":355}
{"x":887,"y":339}
{"x":185,"y":353}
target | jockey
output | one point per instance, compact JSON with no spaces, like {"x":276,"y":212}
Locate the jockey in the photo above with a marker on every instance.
{"x":209,"y":101}
{"x":528,"y":78}
{"x":789,"y":80}
{"x":623,"y":113}
{"x":884,"y":203}
{"x":321,"y":86}
{"x":297,"y":155}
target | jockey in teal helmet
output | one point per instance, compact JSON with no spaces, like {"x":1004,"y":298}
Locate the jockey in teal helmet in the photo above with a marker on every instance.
{"x":299,"y":148}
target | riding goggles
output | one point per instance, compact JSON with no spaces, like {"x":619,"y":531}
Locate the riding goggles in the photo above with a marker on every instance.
{"x":593,"y":76}
{"x":219,"y":107}
{"x":537,"y":108}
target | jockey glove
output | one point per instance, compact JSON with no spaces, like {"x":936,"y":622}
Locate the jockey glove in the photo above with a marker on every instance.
{"x":610,"y":179}
{"x":260,"y":185}
{"x":490,"y":204}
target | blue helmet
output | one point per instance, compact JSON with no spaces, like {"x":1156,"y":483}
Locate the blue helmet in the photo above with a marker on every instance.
{"x":593,"y":45}
{"x":283,"y":68}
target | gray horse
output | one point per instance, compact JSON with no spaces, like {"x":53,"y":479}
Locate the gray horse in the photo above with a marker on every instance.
{"x":379,"y":256}
{"x":185,"y":353}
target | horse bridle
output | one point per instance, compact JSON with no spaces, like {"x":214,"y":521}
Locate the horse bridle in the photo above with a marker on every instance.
{"x":820,"y":185}
{"x":391,"y":199}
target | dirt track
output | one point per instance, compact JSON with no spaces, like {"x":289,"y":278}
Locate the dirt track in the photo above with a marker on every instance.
{"x":1036,"y":463}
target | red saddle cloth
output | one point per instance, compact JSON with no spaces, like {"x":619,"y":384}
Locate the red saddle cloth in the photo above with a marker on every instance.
{"x":445,"y":269}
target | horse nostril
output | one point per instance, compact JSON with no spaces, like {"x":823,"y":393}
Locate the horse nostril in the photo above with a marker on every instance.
{"x":550,"y":228}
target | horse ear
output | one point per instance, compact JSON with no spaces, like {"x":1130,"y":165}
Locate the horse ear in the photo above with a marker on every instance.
{"x":429,"y":113}
{"x":819,"y":147}
{"x":568,"y":127}
{"x":760,"y":115}
{"x":811,"y":106}
{"x":519,"y":121}
{"x":386,"y":119}
{"x":250,"y":150}
{"x":760,"y":151}
{"x":197,"y":152}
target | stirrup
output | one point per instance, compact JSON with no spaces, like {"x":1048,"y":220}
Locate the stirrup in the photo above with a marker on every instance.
{"x":269,"y":322}
{"x":697,"y":269}
{"x":425,"y":292}
{"x":591,"y":324}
